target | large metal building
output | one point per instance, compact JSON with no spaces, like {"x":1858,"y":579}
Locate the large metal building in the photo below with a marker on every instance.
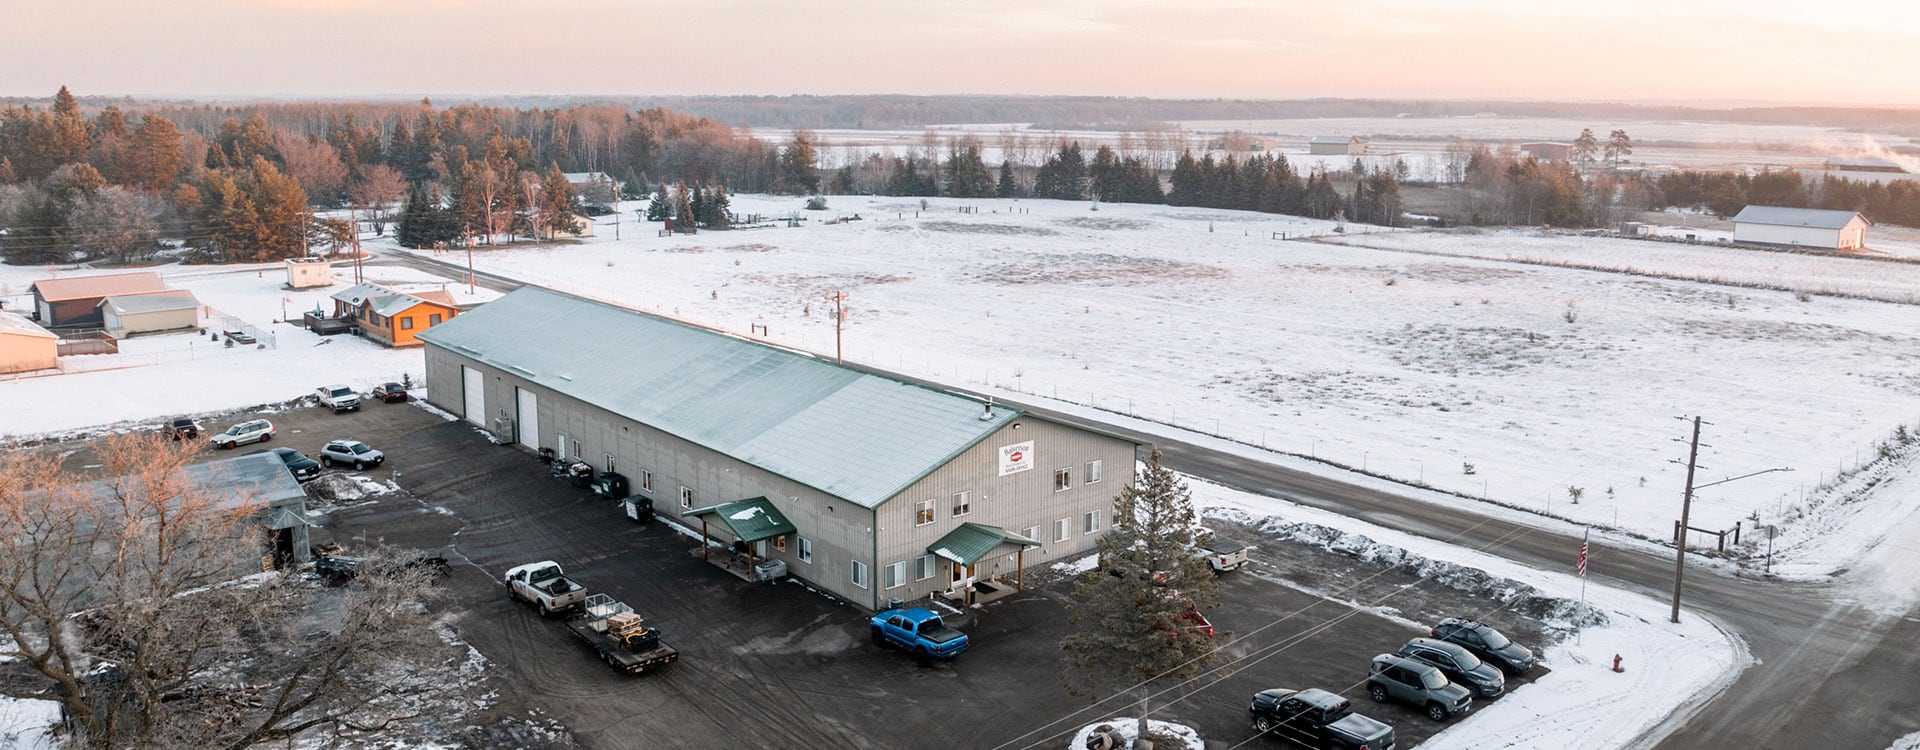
{"x":1801,"y":227}
{"x":867,"y":487}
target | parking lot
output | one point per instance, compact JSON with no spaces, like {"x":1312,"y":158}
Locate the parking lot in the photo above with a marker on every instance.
{"x":778,"y":665}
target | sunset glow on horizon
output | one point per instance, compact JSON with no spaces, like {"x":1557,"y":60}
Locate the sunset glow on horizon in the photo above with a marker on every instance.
{"x":1704,"y":51}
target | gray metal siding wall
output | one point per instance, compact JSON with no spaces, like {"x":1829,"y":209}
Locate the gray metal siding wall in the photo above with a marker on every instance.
{"x":1013,"y":502}
{"x":840,"y":531}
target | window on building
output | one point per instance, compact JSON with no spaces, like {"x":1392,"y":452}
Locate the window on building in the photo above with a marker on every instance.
{"x":1060,"y":530}
{"x":806,"y":550}
{"x":859,"y":574}
{"x":780,"y":542}
{"x":923,"y":567}
{"x":406,"y":323}
{"x":646,"y":480}
{"x":576,"y":450}
{"x":686,"y":497}
{"x":1093,"y":472}
{"x":1031,"y":532}
{"x":1062,"y":479}
{"x":1090,"y":522}
{"x":896,"y":575}
{"x":923,"y":513}
{"x":963,"y":502}
{"x":433,"y":320}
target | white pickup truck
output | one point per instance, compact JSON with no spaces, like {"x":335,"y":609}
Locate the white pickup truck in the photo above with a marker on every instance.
{"x":1221,"y":555}
{"x":545,"y":586}
{"x":339,"y":398}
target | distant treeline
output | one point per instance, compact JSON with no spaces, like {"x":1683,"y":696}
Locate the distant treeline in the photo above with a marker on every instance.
{"x":1724,"y":193}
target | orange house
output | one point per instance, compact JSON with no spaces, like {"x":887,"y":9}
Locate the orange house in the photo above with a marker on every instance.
{"x":393,"y":317}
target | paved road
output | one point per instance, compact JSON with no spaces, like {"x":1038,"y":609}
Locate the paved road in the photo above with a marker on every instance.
{"x":1828,"y":673}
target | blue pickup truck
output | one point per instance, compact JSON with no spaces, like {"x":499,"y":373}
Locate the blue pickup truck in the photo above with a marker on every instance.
{"x":919,"y":631}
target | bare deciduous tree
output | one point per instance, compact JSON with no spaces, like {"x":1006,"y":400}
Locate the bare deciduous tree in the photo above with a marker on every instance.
{"x":378,"y":187}
{"x":315,"y":164}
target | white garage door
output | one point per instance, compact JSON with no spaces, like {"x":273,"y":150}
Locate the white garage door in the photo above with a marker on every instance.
{"x":475,"y":395}
{"x":529,"y":420}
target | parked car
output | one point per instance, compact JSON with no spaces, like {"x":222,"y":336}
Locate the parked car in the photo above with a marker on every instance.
{"x":1221,"y":555}
{"x":390,"y":392}
{"x":1402,"y":679}
{"x":339,"y":398}
{"x":339,"y":569}
{"x":352,"y":453}
{"x":1459,"y":665}
{"x":1486,"y":643}
{"x":251,"y":431}
{"x":1317,"y":719}
{"x":304,"y":469}
{"x":183,"y":428}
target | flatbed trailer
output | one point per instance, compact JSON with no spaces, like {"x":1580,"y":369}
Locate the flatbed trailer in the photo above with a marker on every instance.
{"x":614,"y":631}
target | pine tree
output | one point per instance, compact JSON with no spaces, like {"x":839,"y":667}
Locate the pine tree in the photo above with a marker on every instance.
{"x":657,"y":206}
{"x":797,"y":173}
{"x":842,"y":182}
{"x":683,"y":218}
{"x":69,"y":129}
{"x":718,"y":208}
{"x":1619,"y":147}
{"x":1128,"y":616}
{"x":1188,"y":182}
{"x":1103,"y":176}
{"x":556,"y":208}
{"x":153,"y":158}
{"x":6,"y":172}
{"x":1585,"y":148}
{"x":967,"y":175}
{"x":1006,"y":188}
{"x":281,"y":227}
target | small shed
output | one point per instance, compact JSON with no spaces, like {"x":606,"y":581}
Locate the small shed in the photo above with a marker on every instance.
{"x":1337,"y":145}
{"x":75,"y":300}
{"x":1801,"y":227}
{"x":25,"y":347}
{"x":130,"y":314}
{"x":307,"y":273}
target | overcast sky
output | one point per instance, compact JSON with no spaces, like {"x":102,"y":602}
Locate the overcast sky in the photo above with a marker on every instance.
{"x":1838,"y":51}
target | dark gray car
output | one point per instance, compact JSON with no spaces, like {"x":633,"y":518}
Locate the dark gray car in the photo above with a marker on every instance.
{"x":1486,"y":643}
{"x":1459,"y":665}
{"x":1402,"y":679}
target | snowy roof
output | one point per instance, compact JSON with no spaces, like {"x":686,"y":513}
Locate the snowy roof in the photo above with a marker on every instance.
{"x":390,"y":302}
{"x":259,"y":480}
{"x":83,"y":287}
{"x":1334,"y":139}
{"x":1798,"y":217}
{"x":972,"y":541}
{"x":856,"y":435}
{"x":1864,"y":162}
{"x":750,"y":520}
{"x":177,"y":299}
{"x":14,"y":324}
{"x":582,"y":178}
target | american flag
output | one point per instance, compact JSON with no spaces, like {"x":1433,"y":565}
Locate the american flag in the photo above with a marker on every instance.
{"x":1582,"y":563}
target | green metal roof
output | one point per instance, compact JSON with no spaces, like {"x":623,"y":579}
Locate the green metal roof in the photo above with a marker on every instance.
{"x":750,"y":520}
{"x":852,"y":434}
{"x":972,"y":541}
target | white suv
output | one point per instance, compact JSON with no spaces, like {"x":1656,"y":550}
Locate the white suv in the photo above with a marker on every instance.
{"x":255,"y":431}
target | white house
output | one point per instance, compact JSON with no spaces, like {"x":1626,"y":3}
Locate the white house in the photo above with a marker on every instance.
{"x":1801,"y":227}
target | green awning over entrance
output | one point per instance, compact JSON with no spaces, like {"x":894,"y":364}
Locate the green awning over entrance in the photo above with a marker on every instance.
{"x":750,"y":520}
{"x":972,"y":541}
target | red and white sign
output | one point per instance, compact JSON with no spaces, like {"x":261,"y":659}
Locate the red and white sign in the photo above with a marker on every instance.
{"x":1016,"y":458}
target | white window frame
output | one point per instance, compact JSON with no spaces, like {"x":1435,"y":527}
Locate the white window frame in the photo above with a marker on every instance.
{"x":963,"y":503}
{"x":646,"y":480}
{"x":806,"y":550}
{"x":895,"y":575}
{"x":1063,"y":479}
{"x":1094,"y":469}
{"x":1031,"y":532}
{"x":686,"y":497}
{"x":1090,"y":521}
{"x":858,"y":573}
{"x":1061,"y":529}
{"x":924,"y":563}
{"x":923,"y":512}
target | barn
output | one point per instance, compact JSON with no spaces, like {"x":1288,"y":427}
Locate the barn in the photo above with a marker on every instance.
{"x":1336,"y":145}
{"x":24,"y":346}
{"x":75,"y":300}
{"x":865,"y":486}
{"x":1801,"y":227}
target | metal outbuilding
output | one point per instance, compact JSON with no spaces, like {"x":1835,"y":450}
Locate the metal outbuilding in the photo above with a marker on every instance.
{"x":130,"y":314}
{"x":75,"y":300}
{"x":1336,"y":145}
{"x":869,"y":470}
{"x":1801,"y":227}
{"x":25,"y":347}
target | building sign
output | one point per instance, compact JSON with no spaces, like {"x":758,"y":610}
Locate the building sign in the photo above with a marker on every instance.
{"x":1016,"y":458}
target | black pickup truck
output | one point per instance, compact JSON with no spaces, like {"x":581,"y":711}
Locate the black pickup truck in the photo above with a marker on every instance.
{"x":1318,"y":719}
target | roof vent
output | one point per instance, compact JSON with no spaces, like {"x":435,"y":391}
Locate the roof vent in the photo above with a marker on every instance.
{"x":987,"y":414}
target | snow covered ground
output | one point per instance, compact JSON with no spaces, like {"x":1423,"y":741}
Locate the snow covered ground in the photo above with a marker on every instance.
{"x":1668,"y":668}
{"x":1434,"y":361}
{"x":28,"y":724}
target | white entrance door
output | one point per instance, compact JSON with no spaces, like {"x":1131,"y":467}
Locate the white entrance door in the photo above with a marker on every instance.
{"x":529,"y":419}
{"x":476,"y":397}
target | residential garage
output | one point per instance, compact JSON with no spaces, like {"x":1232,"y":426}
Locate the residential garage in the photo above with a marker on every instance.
{"x":892,"y":490}
{"x":132,"y":314}
{"x":25,"y":347}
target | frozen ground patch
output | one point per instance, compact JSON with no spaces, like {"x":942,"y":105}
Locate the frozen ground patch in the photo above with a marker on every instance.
{"x":1127,"y":730}
{"x":28,"y":724}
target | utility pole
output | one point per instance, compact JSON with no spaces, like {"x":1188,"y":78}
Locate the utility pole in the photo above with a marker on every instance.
{"x":1686,"y":507}
{"x":469,"y":262}
{"x":839,"y":319}
{"x":354,"y":221}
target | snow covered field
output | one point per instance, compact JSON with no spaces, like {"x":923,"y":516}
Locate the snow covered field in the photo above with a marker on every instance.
{"x":1444,"y":366}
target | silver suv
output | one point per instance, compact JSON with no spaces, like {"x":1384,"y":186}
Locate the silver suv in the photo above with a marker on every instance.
{"x":1408,"y":681}
{"x":252,"y":431}
{"x":350,"y":452}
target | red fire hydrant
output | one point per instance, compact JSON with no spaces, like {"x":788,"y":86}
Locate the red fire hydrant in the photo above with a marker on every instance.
{"x":1616,"y":663}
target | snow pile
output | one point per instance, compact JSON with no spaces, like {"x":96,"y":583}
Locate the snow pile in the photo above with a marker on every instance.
{"x":1077,"y":566}
{"x":1127,"y":729}
{"x":1909,"y":742}
{"x":28,"y":724}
